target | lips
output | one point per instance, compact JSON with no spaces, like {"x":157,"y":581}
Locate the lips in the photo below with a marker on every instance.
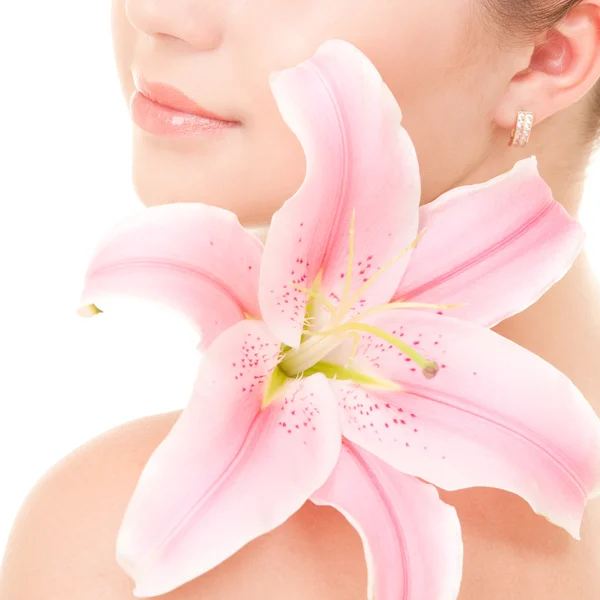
{"x":171,"y":97}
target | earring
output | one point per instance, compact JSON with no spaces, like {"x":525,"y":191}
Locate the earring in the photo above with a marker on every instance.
{"x":520,"y":135}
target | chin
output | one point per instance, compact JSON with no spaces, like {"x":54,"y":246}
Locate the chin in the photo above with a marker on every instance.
{"x":155,"y":188}
{"x":167,"y":172}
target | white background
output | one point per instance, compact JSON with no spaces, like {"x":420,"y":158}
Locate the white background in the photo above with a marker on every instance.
{"x":64,"y":181}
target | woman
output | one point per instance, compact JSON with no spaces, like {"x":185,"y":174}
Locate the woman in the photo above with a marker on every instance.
{"x":461,"y":70}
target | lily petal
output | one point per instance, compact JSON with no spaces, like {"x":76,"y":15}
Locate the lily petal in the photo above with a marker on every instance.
{"x":359,"y":158}
{"x":495,"y":415}
{"x":413,"y":544}
{"x":494,"y":247}
{"x":228,"y":471}
{"x":191,"y":257}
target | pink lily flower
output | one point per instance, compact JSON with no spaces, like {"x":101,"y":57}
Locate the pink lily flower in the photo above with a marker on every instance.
{"x":352,"y":354}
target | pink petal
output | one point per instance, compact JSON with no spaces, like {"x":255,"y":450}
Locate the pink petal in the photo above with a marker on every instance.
{"x":228,"y":472}
{"x":358,"y":158}
{"x":495,"y":415}
{"x":412,"y":540}
{"x":497,"y":247}
{"x":194,"y":258}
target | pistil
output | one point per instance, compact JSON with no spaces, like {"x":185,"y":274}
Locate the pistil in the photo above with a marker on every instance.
{"x":309,"y":353}
{"x":316,"y":345}
{"x":429,"y":368}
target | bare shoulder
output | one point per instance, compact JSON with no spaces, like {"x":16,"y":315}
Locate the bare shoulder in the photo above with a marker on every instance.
{"x":63,"y":537}
{"x":62,"y":546}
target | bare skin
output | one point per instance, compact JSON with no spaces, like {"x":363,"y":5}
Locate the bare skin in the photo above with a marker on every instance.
{"x":463,"y":87}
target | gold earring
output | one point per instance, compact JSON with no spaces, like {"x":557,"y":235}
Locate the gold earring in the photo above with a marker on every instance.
{"x":520,"y":134}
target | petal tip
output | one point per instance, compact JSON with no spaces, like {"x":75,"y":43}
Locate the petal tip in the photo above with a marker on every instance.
{"x":139,"y":592}
{"x":148,"y":592}
{"x":88,"y":310}
{"x":574,"y":529}
{"x":274,"y":76}
{"x":571,"y":524}
{"x":336,"y":46}
{"x":528,"y":164}
{"x":595,"y":493}
{"x":128,"y":565}
{"x":126,"y":554}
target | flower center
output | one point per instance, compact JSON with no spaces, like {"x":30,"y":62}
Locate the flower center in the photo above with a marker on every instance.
{"x":307,"y":358}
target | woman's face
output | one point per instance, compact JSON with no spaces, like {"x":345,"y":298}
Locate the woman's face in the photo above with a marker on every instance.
{"x":433,"y":55}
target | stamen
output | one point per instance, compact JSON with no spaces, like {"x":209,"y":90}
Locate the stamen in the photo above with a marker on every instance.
{"x":344,"y":307}
{"x":307,"y":322}
{"x":430,"y":367}
{"x":310,"y":292}
{"x":283,"y":350}
{"x":431,"y":370}
{"x":393,"y":305}
{"x":356,"y":337}
{"x":333,"y":371}
{"x":348,"y":282}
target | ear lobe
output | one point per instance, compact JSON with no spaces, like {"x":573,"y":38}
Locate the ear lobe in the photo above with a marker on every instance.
{"x":564,"y":66}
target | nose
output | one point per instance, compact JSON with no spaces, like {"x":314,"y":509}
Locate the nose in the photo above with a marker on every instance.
{"x":199,"y":23}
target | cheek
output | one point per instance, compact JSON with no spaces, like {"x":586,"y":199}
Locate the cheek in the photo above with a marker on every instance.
{"x":435,"y":74}
{"x":417,"y":54}
{"x":416,"y":46}
{"x":425,"y":55}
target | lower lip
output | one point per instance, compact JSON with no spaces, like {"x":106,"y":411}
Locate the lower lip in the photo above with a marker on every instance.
{"x":162,"y":120}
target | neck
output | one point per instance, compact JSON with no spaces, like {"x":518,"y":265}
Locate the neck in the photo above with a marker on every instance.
{"x":563,"y":327}
{"x":563,"y":156}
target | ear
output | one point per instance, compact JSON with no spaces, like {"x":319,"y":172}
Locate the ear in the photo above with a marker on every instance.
{"x":564,"y":66}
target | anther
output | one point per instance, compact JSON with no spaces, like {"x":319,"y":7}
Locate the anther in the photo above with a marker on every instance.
{"x":431,"y":370}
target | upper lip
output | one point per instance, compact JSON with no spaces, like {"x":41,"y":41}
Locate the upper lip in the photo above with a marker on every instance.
{"x":170,"y":96}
